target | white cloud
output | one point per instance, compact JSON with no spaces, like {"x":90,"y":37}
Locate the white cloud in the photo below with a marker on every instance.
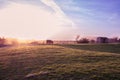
{"x":58,"y":12}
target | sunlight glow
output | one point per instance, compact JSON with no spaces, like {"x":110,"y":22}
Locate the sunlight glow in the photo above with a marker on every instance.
{"x":28,"y":22}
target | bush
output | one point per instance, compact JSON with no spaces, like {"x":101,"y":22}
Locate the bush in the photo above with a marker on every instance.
{"x":83,"y":40}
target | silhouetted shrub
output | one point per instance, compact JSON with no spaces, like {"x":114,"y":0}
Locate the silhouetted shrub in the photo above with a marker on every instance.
{"x":83,"y":40}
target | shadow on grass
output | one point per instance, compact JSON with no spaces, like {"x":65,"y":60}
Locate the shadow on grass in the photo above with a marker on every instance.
{"x":112,"y":48}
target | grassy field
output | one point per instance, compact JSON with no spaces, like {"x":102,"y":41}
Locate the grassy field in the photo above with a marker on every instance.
{"x":56,"y":62}
{"x":112,"y":48}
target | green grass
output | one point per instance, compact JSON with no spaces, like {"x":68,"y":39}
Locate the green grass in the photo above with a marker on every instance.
{"x":53,"y":62}
{"x":112,"y":48}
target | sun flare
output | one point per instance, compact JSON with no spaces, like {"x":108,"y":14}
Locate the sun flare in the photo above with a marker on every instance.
{"x":28,"y":21}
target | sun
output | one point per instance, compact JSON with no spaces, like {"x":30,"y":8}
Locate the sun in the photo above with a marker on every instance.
{"x":28,"y":21}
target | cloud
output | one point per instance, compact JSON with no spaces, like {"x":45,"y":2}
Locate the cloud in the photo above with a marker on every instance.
{"x":58,"y":12}
{"x":34,"y":22}
{"x":47,"y":5}
{"x":69,"y":26}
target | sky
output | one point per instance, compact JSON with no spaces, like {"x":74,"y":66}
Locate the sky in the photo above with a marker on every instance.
{"x":59,"y":19}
